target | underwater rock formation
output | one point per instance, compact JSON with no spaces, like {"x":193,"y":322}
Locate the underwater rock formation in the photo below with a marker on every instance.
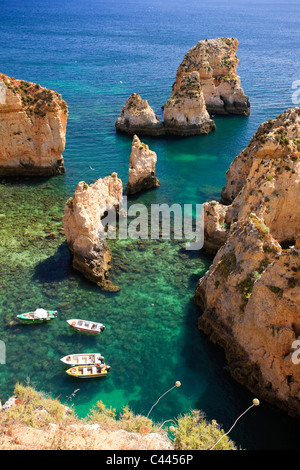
{"x":185,"y":112}
{"x":137,"y":117}
{"x":33,"y":123}
{"x":84,"y":231}
{"x":142,"y":173}
{"x":215,"y":60}
{"x":250,"y":297}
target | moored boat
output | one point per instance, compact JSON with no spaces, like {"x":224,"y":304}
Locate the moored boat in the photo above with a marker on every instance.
{"x":39,"y":315}
{"x":82,"y":359}
{"x":89,"y":371}
{"x":86,"y":325}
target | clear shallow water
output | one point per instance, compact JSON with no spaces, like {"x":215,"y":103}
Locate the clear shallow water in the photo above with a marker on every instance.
{"x":95,"y":53}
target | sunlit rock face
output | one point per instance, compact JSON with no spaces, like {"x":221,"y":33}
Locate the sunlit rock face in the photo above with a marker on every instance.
{"x":185,"y":112}
{"x":142,"y":173}
{"x":216,"y":62}
{"x":137,"y":117}
{"x":250,"y":297}
{"x":84,"y":230}
{"x":33,"y":124}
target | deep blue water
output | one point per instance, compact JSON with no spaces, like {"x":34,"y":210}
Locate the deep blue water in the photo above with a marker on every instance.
{"x":96,"y":53}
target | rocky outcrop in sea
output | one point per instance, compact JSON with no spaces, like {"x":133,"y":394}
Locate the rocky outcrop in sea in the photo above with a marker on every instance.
{"x":142,"y":173}
{"x":206,"y":84}
{"x":84,"y":230}
{"x":250,"y":297}
{"x":137,"y":117}
{"x":33,"y":123}
{"x":185,"y":112}
{"x":216,"y":62}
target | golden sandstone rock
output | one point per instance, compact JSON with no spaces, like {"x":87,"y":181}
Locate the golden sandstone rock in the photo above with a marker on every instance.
{"x":142,"y":174}
{"x":33,"y":123}
{"x":250,"y":296}
{"x":216,"y":62}
{"x":206,"y":83}
{"x":84,"y":231}
{"x":137,"y":117}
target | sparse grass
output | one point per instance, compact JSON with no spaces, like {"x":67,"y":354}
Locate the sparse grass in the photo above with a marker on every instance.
{"x":35,"y":411}
{"x":227,"y":264}
{"x":108,"y":419}
{"x":36,"y":99}
{"x":196,"y":433}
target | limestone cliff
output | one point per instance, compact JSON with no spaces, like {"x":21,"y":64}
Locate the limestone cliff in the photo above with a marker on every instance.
{"x":84,"y":230}
{"x":263,"y":178}
{"x":137,"y":117}
{"x":33,"y":123}
{"x":216,"y":62}
{"x":250,"y":297}
{"x":142,"y":173}
{"x":275,"y":138}
{"x":185,"y":113}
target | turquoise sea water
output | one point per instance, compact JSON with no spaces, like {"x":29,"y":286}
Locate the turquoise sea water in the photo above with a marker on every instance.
{"x":95,"y":53}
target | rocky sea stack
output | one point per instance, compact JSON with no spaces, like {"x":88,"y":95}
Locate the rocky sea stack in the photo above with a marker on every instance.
{"x":250,"y":296}
{"x":84,"y":231}
{"x":216,"y":62}
{"x":137,"y":117}
{"x":33,"y":123}
{"x":206,"y":84}
{"x":185,"y":113}
{"x":142,"y":163}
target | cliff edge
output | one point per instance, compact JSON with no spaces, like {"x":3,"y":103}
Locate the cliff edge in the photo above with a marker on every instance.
{"x":33,"y":124}
{"x":250,"y":297}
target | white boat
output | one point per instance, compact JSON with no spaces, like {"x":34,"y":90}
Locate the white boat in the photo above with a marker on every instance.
{"x":39,"y":315}
{"x":86,"y":325}
{"x":82,"y":359}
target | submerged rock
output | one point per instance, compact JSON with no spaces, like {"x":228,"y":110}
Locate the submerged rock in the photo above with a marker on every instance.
{"x":137,"y":117}
{"x":185,"y":113}
{"x":84,"y":231}
{"x":215,"y":60}
{"x":250,"y":297}
{"x":33,"y":123}
{"x":142,"y":164}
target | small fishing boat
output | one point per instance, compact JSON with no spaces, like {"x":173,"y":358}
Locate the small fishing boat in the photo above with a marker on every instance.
{"x":82,"y":359}
{"x":39,"y":315}
{"x":86,"y":326}
{"x":90,"y":371}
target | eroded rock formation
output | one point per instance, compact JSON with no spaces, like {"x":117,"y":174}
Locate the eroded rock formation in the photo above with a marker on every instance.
{"x":142,"y":173}
{"x":206,"y":83}
{"x":185,"y":112}
{"x":137,"y":117}
{"x":216,"y":62}
{"x":250,"y":297}
{"x":33,"y":123}
{"x":84,"y":231}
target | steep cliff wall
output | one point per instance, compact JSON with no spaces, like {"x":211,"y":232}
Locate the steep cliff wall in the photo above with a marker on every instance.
{"x":185,"y":112}
{"x":250,"y":297}
{"x":216,"y":62}
{"x":33,"y":123}
{"x":84,"y":230}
